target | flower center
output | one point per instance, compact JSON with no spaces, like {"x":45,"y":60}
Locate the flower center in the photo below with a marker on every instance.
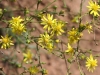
{"x":49,"y":22}
{"x":46,"y":40}
{"x":92,"y":64}
{"x":95,"y":7}
{"x":58,"y":28}
{"x":5,"y":40}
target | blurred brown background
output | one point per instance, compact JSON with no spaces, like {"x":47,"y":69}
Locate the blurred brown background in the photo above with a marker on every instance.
{"x":55,"y":65}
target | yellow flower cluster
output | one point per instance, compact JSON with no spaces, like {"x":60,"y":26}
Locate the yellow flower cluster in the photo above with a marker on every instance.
{"x":28,"y":56}
{"x":53,"y":26}
{"x":45,"y":41}
{"x":57,"y":28}
{"x":91,"y":63}
{"x":17,"y":26}
{"x":6,"y":42}
{"x":74,"y":35}
{"x":87,"y":26}
{"x":48,"y":21}
{"x":94,"y":8}
{"x":69,"y":50}
{"x":33,"y":70}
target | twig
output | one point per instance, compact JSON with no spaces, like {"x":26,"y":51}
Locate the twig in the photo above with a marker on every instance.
{"x":65,"y":59}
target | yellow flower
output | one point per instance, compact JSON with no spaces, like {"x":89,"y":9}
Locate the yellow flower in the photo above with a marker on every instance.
{"x":74,"y":35}
{"x":28,"y":56}
{"x":49,"y":46}
{"x":33,"y":70}
{"x":91,"y":63}
{"x":47,"y":21}
{"x":89,"y":28}
{"x":6,"y":42}
{"x":18,"y":28}
{"x":94,"y":8}
{"x":45,"y":41}
{"x":57,"y":28}
{"x":70,"y":50}
{"x":15,"y":20}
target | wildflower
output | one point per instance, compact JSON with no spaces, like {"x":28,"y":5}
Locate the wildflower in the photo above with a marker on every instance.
{"x":49,"y":46}
{"x":48,"y":21}
{"x":33,"y":70}
{"x":70,"y":50}
{"x":6,"y":42}
{"x":15,"y":20}
{"x":94,"y":8}
{"x":91,"y":63}
{"x":28,"y":56}
{"x":74,"y":35}
{"x":86,"y":26}
{"x":57,"y":28}
{"x":18,"y":28}
{"x":89,"y":28}
{"x":45,"y":41}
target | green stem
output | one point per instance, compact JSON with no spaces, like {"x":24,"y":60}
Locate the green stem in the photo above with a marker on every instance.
{"x":48,"y":5}
{"x":39,"y":58}
{"x":81,"y":72}
{"x":65,"y":60}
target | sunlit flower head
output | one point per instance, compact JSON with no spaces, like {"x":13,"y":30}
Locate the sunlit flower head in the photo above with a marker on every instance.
{"x":45,"y":41}
{"x":74,"y":35}
{"x":18,"y":28}
{"x":15,"y":20}
{"x":91,"y":63}
{"x":33,"y":70}
{"x":94,"y":8}
{"x":89,"y":28}
{"x":49,"y":46}
{"x":28,"y":56}
{"x":69,"y":50}
{"x":47,"y":21}
{"x":6,"y":42}
{"x":57,"y":28}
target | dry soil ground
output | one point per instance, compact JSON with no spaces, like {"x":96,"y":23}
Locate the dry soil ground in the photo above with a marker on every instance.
{"x":55,"y":65}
